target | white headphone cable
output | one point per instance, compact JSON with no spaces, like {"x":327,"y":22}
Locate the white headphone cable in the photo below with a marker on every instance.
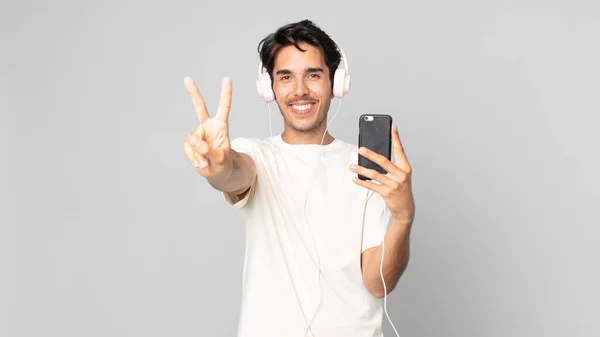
{"x":270,"y":127}
{"x":387,"y":220}
{"x":309,"y":323}
{"x":308,"y":328}
{"x":312,"y":237}
{"x":382,"y":279}
{"x":306,"y":222}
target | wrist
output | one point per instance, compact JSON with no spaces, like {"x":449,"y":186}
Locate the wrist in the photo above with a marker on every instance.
{"x":401,"y":222}
{"x":224,"y":180}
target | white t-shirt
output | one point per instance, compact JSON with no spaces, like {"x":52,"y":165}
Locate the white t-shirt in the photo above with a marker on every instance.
{"x":281,"y":291}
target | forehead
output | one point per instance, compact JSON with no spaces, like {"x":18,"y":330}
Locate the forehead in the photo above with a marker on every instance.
{"x":289,"y":57}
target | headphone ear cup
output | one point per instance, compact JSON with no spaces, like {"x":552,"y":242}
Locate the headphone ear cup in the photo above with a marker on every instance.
{"x":259,"y":88}
{"x":341,"y":83}
{"x":263,"y":86}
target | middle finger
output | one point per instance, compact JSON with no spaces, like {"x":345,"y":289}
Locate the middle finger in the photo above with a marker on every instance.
{"x":197,"y":100}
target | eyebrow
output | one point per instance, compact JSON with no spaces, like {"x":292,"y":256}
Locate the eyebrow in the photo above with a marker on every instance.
{"x":314,"y":70}
{"x":308,"y":70}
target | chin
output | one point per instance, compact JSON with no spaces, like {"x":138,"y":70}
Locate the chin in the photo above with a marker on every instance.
{"x":304,"y":124}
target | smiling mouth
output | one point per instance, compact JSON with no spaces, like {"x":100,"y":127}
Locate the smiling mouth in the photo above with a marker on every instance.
{"x":302,"y":108}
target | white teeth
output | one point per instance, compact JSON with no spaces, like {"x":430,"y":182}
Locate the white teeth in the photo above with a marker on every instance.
{"x":302,"y":107}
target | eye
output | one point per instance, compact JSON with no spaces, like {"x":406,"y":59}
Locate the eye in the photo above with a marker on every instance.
{"x":285,"y":77}
{"x":314,"y":76}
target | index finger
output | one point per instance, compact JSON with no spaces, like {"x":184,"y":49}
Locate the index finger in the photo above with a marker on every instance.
{"x":379,"y":159}
{"x":197,"y":99}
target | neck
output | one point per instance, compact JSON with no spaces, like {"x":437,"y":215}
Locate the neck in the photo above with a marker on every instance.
{"x":292,"y":136}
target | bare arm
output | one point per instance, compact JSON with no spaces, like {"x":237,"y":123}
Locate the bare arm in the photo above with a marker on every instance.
{"x":395,"y":188}
{"x":239,"y":179}
{"x":395,"y":259}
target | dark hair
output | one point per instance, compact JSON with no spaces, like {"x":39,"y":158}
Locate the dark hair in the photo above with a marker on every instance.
{"x":293,"y":34}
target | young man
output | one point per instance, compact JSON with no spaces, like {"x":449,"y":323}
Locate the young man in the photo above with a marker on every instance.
{"x":313,"y":253}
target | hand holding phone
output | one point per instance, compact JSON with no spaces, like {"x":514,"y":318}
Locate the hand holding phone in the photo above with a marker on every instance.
{"x":394,"y":182}
{"x":374,"y":133}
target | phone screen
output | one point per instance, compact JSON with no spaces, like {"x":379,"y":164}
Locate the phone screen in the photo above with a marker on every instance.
{"x":374,"y":133}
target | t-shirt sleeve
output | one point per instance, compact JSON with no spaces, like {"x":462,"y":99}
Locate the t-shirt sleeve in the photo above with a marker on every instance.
{"x":376,"y":221}
{"x":249,"y":147}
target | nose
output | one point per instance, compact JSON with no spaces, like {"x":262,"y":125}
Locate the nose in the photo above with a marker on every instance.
{"x":301,"y":87}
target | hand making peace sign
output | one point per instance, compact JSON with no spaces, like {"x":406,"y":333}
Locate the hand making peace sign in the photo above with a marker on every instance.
{"x":208,"y":147}
{"x":395,"y":187}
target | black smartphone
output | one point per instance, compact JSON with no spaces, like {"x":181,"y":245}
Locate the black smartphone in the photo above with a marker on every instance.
{"x":374,"y":133}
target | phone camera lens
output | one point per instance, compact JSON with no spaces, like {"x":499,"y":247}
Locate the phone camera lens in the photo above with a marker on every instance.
{"x":366,"y":118}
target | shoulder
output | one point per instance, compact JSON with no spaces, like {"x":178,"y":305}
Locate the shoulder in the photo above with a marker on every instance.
{"x":244,"y":143}
{"x":250,"y":145}
{"x":346,"y":150}
{"x":345,"y":145}
{"x":348,"y":146}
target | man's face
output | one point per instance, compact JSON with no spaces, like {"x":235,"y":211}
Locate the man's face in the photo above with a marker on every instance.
{"x":302,"y":86}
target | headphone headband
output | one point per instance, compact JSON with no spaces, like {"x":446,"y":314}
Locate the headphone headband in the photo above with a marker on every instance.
{"x":339,"y":48}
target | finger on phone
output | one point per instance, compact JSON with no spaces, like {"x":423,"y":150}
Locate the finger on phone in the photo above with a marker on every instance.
{"x":399,"y":152}
{"x":396,"y":140}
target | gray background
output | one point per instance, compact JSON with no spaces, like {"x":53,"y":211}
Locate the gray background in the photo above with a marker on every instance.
{"x":108,"y":231}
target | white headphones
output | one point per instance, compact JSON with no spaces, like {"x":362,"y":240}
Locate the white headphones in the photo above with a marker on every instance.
{"x":341,"y":80}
